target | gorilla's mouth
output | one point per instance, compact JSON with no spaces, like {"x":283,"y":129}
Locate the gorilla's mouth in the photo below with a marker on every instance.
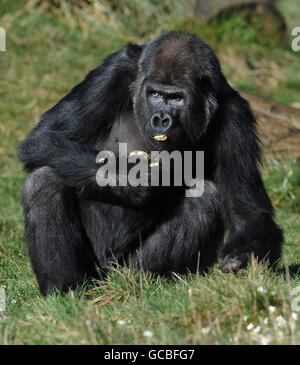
{"x":160,"y":137}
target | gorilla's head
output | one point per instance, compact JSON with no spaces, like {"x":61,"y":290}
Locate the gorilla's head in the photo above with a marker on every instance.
{"x":175,"y":93}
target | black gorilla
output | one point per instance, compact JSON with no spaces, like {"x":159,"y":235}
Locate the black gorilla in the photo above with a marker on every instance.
{"x":171,"y":86}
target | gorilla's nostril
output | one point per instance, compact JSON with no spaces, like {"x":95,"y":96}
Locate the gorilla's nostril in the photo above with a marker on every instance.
{"x":166,"y":122}
{"x":161,"y":121}
{"x":157,"y":121}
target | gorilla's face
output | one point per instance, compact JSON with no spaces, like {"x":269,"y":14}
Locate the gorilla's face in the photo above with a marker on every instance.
{"x":173,"y":95}
{"x":161,"y":111}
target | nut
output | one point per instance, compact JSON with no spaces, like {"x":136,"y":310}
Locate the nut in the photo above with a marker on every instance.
{"x":160,"y":137}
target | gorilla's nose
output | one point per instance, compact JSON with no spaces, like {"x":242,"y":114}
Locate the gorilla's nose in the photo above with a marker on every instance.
{"x":161,"y":122}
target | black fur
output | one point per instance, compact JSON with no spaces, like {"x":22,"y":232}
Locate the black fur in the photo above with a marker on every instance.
{"x":73,"y":226}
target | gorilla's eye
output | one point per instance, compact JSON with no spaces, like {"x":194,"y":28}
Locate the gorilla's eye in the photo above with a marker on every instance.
{"x":156,"y":94}
{"x":177,"y":98}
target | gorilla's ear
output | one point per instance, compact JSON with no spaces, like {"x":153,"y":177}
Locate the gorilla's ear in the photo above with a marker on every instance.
{"x":133,"y":51}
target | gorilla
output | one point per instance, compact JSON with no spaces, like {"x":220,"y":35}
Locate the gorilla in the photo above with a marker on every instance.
{"x":166,"y":95}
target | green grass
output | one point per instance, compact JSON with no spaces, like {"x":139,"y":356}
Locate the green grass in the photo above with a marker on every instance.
{"x":47,"y":55}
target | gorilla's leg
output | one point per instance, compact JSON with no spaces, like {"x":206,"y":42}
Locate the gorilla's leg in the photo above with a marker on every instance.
{"x":57,"y":245}
{"x":112,"y":229}
{"x":185,"y":240}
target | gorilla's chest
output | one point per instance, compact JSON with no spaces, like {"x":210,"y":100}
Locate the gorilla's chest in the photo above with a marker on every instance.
{"x":124,"y":130}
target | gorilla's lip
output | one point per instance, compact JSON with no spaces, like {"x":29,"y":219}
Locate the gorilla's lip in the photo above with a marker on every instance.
{"x":160,"y":137}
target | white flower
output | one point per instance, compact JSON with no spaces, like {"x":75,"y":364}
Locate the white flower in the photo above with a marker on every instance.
{"x":280,"y":321}
{"x":124,"y":321}
{"x":148,"y":334}
{"x":294,"y":316}
{"x":256,"y":329}
{"x":272,"y":308}
{"x":266,"y":320}
{"x":260,"y":289}
{"x":250,"y":326}
{"x":205,"y":330}
{"x":245,"y":318}
{"x":121,"y":322}
{"x":264,"y":340}
{"x":14,"y":301}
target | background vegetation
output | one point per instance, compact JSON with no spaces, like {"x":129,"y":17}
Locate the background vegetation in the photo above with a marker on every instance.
{"x":50,"y":47}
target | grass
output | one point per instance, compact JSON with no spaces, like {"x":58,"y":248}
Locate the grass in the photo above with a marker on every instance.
{"x":48,"y":53}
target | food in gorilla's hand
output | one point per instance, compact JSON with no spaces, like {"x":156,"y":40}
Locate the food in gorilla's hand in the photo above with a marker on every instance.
{"x":138,"y":153}
{"x":102,"y":159}
{"x":153,"y":164}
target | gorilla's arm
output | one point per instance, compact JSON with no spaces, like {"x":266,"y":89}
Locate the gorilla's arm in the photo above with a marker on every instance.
{"x":65,"y":137}
{"x":248,"y":210}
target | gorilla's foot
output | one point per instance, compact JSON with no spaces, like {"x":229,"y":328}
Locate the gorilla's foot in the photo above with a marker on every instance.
{"x":232,"y":263}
